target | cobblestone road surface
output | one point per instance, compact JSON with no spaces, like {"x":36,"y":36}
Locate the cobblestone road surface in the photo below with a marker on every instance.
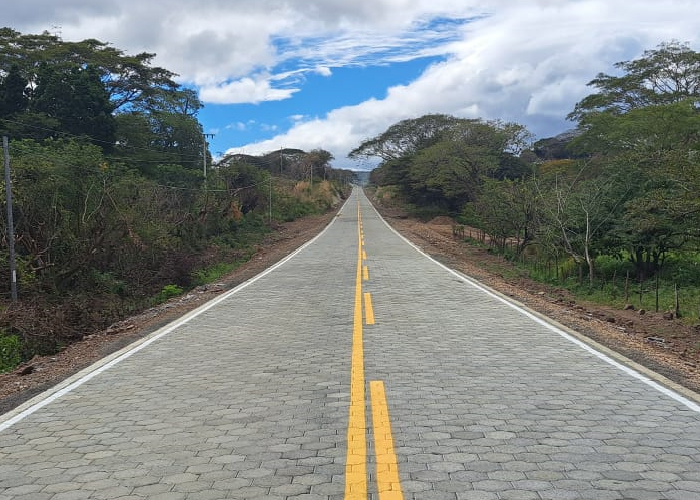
{"x":250,"y":398}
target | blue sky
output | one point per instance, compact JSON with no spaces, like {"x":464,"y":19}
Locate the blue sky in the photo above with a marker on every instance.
{"x":236,"y":125}
{"x":329,"y":73}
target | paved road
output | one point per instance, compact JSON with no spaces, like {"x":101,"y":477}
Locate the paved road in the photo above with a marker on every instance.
{"x":359,"y":368}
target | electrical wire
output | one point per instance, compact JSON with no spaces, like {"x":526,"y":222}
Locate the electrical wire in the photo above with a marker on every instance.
{"x":93,"y":139}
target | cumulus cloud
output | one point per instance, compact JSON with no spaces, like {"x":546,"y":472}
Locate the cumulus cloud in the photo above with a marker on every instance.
{"x":245,"y":90}
{"x":522,"y":61}
{"x":219,"y":41}
{"x":525,"y":62}
{"x":323,"y":71}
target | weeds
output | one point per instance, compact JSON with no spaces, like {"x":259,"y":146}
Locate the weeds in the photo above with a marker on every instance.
{"x":167,"y":293}
{"x":10,"y":352}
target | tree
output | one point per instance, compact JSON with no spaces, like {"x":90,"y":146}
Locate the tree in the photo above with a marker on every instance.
{"x":130,"y":80}
{"x":168,"y":132}
{"x":660,"y":214}
{"x":581,"y":208}
{"x":441,"y":160}
{"x":668,"y":74}
{"x":318,"y":161}
{"x":644,"y":126}
{"x":449,"y":173}
{"x":13,"y":93}
{"x":507,"y":209}
{"x":405,"y":137}
{"x":78,"y":101}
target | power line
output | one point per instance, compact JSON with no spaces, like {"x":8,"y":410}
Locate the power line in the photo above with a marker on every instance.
{"x":93,"y":139}
{"x":59,"y":161}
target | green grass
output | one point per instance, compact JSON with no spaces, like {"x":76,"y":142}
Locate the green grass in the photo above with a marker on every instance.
{"x":167,"y":293}
{"x":680,"y":271}
{"x":608,"y":287}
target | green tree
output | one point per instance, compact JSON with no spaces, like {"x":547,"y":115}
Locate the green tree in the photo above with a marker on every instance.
{"x":78,"y":101}
{"x":441,"y":160}
{"x":507,"y":209}
{"x":668,"y":74}
{"x":13,"y":93}
{"x":405,"y":137}
{"x":645,"y":128}
{"x":130,"y":80}
{"x":580,"y":207}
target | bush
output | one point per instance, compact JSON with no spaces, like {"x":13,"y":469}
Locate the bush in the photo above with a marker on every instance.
{"x":10,"y":352}
{"x":607,"y":266}
{"x":168,"y":292}
{"x":214,"y":272}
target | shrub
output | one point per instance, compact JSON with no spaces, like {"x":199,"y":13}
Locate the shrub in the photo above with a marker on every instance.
{"x":168,"y":292}
{"x":10,"y":352}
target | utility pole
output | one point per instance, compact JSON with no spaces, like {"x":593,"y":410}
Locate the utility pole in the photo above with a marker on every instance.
{"x":10,"y":219}
{"x":204,"y":152}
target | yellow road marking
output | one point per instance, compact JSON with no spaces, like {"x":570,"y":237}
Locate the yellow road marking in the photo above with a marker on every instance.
{"x":388,"y":484}
{"x":369,"y":311}
{"x":356,"y":460}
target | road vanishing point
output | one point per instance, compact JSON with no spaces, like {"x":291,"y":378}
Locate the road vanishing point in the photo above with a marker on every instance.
{"x":356,"y":368}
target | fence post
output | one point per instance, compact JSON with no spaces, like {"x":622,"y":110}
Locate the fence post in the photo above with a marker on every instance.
{"x":657,"y":292}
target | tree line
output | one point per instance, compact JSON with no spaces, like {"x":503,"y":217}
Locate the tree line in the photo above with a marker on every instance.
{"x":111,"y":200}
{"x":621,"y":186}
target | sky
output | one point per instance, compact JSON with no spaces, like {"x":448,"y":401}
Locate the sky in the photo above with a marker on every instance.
{"x":329,"y":74}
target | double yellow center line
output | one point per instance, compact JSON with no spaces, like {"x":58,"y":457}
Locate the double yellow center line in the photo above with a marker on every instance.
{"x":388,"y":485}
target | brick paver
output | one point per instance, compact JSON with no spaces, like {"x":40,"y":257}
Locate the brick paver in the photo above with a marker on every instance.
{"x":249,"y":399}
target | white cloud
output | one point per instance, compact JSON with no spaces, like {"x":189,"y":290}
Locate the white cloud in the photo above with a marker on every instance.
{"x":527,"y":61}
{"x":245,"y":90}
{"x":238,"y":126}
{"x":220,"y":41}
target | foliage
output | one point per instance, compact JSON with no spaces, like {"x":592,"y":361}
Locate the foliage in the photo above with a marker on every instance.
{"x":167,"y":293}
{"x":212,"y":273}
{"x":621,"y":188}
{"x":111,"y":204}
{"x":130,"y":80}
{"x":506,"y":210}
{"x":405,"y":138}
{"x":441,"y":161}
{"x":77,"y":100}
{"x":10,"y":352}
{"x":53,"y":89}
{"x":666,"y":75}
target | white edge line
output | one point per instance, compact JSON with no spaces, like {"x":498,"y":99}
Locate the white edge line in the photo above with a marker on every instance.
{"x":47,"y":397}
{"x":474,"y":283}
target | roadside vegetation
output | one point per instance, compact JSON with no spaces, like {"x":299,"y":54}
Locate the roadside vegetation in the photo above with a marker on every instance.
{"x":117,"y":202}
{"x":609,"y":210}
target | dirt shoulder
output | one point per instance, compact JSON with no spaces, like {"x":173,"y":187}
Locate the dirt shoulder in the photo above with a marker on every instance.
{"x":666,"y":346}
{"x":43,"y":372}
